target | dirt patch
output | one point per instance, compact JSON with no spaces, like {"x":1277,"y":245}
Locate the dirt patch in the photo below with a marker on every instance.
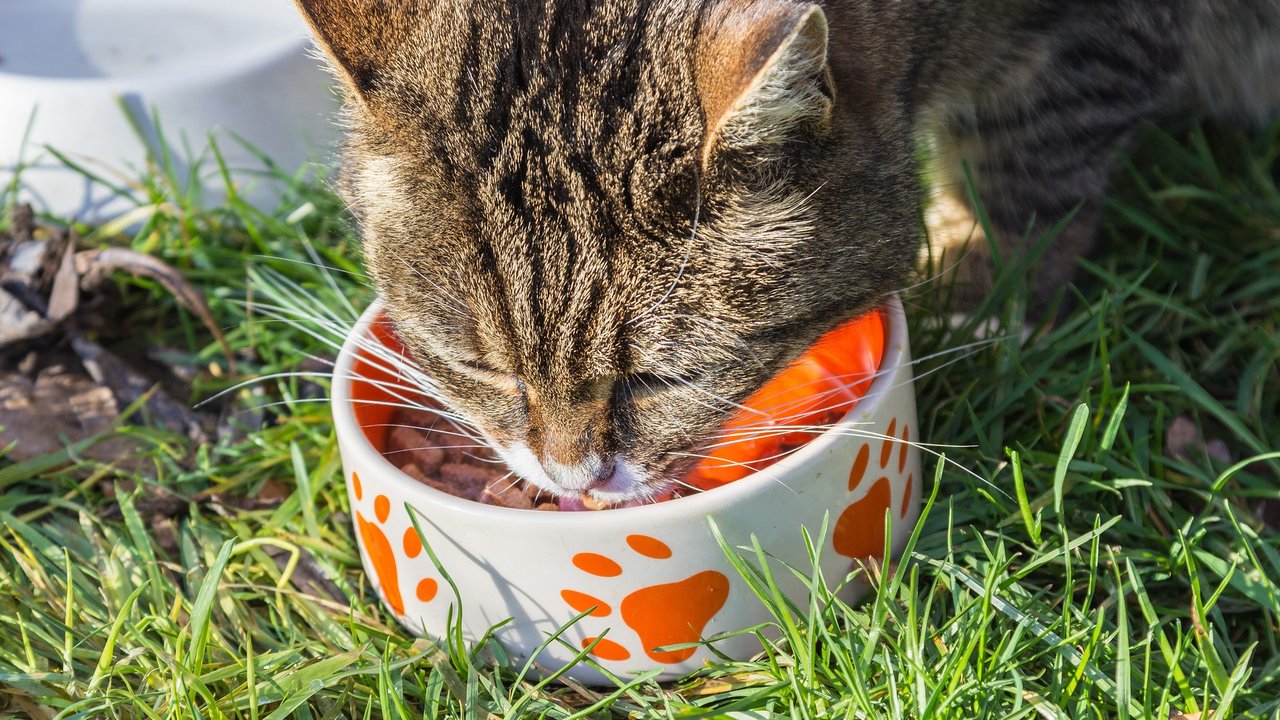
{"x":60,"y":383}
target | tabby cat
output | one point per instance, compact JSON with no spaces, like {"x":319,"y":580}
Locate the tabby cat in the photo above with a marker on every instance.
{"x":599,"y":224}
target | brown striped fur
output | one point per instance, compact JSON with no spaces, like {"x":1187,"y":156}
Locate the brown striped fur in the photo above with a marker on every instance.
{"x":599,"y":223}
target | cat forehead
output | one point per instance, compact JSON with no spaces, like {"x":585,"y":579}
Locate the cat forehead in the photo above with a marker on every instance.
{"x":544,"y":167}
{"x":481,"y":69}
{"x":544,"y":243}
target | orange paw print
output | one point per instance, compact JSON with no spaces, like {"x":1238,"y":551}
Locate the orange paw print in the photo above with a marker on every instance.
{"x":859,"y":532}
{"x":383,"y":556}
{"x":660,"y":615}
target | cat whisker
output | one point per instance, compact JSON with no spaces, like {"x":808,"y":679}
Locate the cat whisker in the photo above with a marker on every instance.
{"x":286,"y":290}
{"x":725,"y":403}
{"x":290,"y":316}
{"x":513,"y":483}
{"x":684,"y":263}
{"x":406,"y":401}
{"x":423,"y":428}
{"x":333,"y":285}
{"x":849,"y":377}
{"x":816,"y":430}
{"x":489,"y":460}
{"x":435,"y":447}
{"x":730,"y":463}
{"x":260,"y":379}
{"x":930,"y":448}
{"x":452,"y":419}
{"x":454,"y":302}
{"x":359,"y":276}
{"x":294,"y":306}
{"x":652,"y":496}
{"x":725,"y":462}
{"x":382,"y":358}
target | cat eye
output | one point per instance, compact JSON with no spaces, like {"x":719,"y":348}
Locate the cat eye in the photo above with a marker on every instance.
{"x":495,"y":376}
{"x":480,"y":367}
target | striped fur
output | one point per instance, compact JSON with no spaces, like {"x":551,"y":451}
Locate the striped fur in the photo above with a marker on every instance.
{"x":600,"y":223}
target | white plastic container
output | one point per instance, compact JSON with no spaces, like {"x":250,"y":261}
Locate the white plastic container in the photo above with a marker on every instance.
{"x":70,"y":69}
{"x":655,"y":573}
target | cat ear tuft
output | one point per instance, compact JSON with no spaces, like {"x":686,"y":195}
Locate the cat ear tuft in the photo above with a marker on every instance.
{"x":360,"y":36}
{"x":762,"y":75}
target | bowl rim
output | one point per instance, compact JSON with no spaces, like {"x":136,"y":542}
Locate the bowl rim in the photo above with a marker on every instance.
{"x":371,"y":464}
{"x":266,"y":54}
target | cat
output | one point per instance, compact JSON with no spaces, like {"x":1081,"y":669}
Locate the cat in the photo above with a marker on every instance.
{"x":600,"y":224}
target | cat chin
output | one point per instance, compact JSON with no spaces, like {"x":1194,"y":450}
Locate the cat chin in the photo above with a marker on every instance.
{"x":628,"y":482}
{"x":524,"y":463}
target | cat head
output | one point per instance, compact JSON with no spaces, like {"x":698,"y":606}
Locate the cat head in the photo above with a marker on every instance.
{"x":600,"y":225}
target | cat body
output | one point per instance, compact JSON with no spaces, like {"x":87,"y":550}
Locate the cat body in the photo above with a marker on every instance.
{"x":600,"y":224}
{"x":1037,"y":102}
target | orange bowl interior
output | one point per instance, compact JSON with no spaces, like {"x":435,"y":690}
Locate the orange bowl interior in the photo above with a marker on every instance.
{"x":818,"y":389}
{"x":796,"y":406}
{"x":376,"y":390}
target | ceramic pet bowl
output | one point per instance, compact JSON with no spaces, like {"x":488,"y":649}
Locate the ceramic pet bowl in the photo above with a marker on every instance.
{"x":651,"y":576}
{"x":69,"y":70}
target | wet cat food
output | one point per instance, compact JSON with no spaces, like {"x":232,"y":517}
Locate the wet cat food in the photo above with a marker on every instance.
{"x":430,"y":450}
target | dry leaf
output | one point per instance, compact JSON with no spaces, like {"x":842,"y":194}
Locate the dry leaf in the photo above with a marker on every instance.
{"x":18,"y":322}
{"x":273,"y":492}
{"x":95,"y":265}
{"x":65,"y":294}
{"x":1181,"y":435}
{"x":1183,"y":438}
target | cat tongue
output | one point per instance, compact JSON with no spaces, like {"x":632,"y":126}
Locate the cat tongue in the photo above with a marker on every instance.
{"x":572,"y":504}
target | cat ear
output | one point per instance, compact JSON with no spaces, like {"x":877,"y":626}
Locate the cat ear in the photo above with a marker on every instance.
{"x":762,"y":75}
{"x":360,"y":36}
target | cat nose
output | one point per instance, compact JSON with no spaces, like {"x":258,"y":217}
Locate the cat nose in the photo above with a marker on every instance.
{"x":588,"y":474}
{"x":604,"y":474}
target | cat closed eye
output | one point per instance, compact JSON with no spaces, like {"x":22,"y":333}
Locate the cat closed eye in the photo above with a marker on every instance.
{"x":647,"y":383}
{"x":480,"y":366}
{"x":494,"y":376}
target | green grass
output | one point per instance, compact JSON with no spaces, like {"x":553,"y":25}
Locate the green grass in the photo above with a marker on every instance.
{"x":1089,"y":573}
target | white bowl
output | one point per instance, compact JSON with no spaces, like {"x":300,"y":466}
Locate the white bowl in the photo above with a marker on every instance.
{"x":656,"y":573}
{"x":233,"y":66}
